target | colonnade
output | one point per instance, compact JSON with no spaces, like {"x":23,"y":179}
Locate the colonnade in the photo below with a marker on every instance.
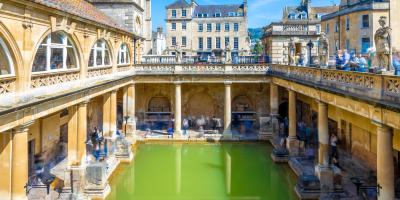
{"x":385,"y":165}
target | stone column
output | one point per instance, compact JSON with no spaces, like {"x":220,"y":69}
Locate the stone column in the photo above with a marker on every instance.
{"x":274,"y":108}
{"x":82,"y":131}
{"x":129,"y":108}
{"x":292,"y":142}
{"x":323,"y":170}
{"x":6,"y":162}
{"x":385,"y":168}
{"x":19,"y":167}
{"x":113,"y":112}
{"x":73,"y":136}
{"x":106,"y":113}
{"x":228,"y":110}
{"x":178,"y":105}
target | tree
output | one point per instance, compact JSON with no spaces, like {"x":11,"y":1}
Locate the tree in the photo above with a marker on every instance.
{"x":258,"y":48}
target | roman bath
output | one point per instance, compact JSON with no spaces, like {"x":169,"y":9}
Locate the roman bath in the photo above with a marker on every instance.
{"x":81,"y":117}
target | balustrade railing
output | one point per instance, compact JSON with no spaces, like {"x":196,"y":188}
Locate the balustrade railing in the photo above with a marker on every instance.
{"x":123,"y":68}
{"x":99,"y":71}
{"x":201,"y":69}
{"x":53,"y":78}
{"x":372,"y":86}
{"x":7,"y":85}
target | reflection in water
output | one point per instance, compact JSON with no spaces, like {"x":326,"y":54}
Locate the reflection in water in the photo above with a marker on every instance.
{"x":203,"y":171}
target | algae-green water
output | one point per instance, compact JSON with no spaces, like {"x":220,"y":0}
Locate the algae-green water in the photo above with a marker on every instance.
{"x":179,"y":171}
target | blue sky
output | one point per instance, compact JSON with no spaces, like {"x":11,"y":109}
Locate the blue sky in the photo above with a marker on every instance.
{"x":261,"y":12}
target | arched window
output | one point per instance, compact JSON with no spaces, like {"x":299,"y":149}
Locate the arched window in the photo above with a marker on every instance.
{"x":100,"y":55}
{"x":56,"y":52}
{"x":6,"y":63}
{"x":123,"y":55}
{"x":292,"y":16}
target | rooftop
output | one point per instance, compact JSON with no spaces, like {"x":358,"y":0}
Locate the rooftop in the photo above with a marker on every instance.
{"x":178,"y":4}
{"x":82,"y":9}
{"x":211,"y":10}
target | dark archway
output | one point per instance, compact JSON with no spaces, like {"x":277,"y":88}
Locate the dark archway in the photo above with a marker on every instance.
{"x":283,"y":110}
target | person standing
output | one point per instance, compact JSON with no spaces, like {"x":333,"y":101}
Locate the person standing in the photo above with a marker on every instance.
{"x":185,"y":124}
{"x":333,"y":144}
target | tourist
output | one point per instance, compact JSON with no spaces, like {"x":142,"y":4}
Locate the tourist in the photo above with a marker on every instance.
{"x":333,"y":144}
{"x":346,"y":60}
{"x":185,"y":124}
{"x":362,"y":62}
{"x":170,"y":131}
{"x":396,"y":62}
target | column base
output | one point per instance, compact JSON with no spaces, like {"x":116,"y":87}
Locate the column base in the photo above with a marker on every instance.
{"x":227,"y":135}
{"x":293,"y":145}
{"x":325,"y":176}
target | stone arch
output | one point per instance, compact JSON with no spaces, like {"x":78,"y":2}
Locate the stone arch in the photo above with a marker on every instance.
{"x":243,"y":103}
{"x":75,"y":42}
{"x":159,"y":104}
{"x":15,"y":54}
{"x":138,"y":25}
{"x":110,"y":46}
{"x":201,"y":104}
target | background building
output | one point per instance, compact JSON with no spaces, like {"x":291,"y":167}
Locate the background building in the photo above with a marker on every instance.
{"x":159,"y":42}
{"x":207,"y":29}
{"x":302,"y":23}
{"x":135,"y":15}
{"x":354,"y":25}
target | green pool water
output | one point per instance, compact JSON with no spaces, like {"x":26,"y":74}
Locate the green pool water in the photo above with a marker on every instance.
{"x":179,"y":171}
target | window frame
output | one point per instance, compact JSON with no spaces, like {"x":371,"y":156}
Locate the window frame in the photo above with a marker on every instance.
{"x":126,"y":53}
{"x":104,"y":47}
{"x":173,"y":14}
{"x":8,"y":56}
{"x":48,"y":45}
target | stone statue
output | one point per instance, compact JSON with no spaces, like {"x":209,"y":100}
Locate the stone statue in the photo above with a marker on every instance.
{"x":292,"y":51}
{"x":228,"y":53}
{"x":178,"y":53}
{"x":382,"y":44}
{"x":323,"y":50}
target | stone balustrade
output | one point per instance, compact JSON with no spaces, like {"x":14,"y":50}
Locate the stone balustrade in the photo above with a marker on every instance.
{"x":123,"y":68}
{"x":53,"y":78}
{"x":154,"y":69}
{"x":99,"y":71}
{"x":7,"y":85}
{"x":368,"y":85}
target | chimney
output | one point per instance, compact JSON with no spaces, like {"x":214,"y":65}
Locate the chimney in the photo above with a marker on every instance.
{"x":244,"y":7}
{"x":159,"y":29}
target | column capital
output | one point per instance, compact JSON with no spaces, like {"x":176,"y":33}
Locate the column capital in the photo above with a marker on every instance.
{"x":228,"y":82}
{"x":24,"y":127}
{"x":132,"y":84}
{"x":176,"y":83}
{"x":321,"y":103}
{"x":113,"y":91}
{"x":84,"y":103}
{"x":381,"y":125}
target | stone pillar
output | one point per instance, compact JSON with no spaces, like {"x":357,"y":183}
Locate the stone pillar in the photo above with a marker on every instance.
{"x":292,"y":142}
{"x":228,"y":110}
{"x":106,"y":114}
{"x":113,"y":112}
{"x":323,"y":170}
{"x":385,"y":168}
{"x":73,"y":136}
{"x":6,"y":162}
{"x":19,"y":167}
{"x":129,"y":108}
{"x":274,"y":108}
{"x":178,"y":105}
{"x":82,"y":131}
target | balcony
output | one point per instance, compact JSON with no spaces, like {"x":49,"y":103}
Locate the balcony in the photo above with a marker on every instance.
{"x":369,"y":87}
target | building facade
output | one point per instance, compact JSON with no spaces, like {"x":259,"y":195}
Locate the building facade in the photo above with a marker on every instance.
{"x":159,"y":42}
{"x":135,"y":15}
{"x":205,"y":30}
{"x":301,"y":24}
{"x":354,"y":25}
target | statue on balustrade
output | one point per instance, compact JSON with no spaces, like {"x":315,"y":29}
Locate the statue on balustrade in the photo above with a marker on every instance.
{"x":383,"y":44}
{"x":291,"y":51}
{"x":323,"y":50}
{"x":178,"y":53}
{"x":228,"y":53}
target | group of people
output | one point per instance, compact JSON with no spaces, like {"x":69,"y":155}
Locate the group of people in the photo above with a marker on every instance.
{"x":353,"y":62}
